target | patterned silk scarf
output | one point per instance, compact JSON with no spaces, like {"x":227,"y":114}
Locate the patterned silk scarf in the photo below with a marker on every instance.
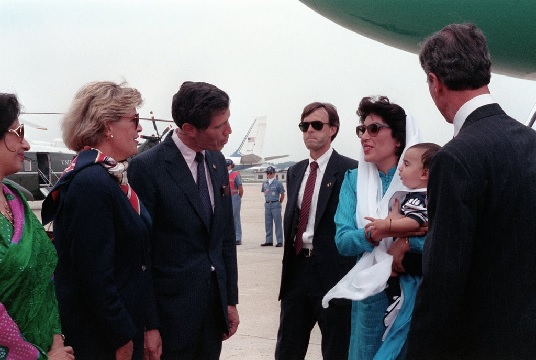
{"x":87,"y":157}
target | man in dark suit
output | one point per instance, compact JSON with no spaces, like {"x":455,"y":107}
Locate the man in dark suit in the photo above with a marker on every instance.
{"x":311,"y":263}
{"x":477,"y":299}
{"x":184,"y":184}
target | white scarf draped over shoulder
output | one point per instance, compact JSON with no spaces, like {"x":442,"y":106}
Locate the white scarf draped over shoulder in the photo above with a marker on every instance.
{"x":369,"y":276}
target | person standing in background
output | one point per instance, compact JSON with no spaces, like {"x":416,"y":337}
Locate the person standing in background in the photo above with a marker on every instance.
{"x":237,"y":190}
{"x":274,"y":194}
{"x":311,"y":262}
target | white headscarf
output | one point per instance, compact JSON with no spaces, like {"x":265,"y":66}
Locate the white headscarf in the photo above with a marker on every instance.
{"x":370,"y":199}
{"x":369,"y":276}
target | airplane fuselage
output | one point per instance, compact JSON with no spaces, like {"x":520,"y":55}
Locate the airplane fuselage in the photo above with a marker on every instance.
{"x":509,"y":26}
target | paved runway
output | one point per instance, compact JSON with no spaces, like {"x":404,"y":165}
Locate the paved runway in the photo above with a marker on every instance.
{"x":259,"y":276}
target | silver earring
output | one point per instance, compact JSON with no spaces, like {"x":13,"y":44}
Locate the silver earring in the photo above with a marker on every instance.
{"x":112,"y":136}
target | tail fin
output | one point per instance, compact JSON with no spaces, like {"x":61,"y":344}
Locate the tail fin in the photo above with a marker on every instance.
{"x":253,"y":142}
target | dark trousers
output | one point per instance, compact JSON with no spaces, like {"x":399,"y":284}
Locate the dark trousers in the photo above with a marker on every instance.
{"x":208,"y":344}
{"x":301,"y":309}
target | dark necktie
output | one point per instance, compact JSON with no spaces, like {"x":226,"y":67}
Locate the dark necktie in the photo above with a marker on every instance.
{"x":305,"y":206}
{"x":202,"y":186}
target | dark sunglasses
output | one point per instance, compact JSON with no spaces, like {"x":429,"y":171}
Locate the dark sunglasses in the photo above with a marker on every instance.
{"x":373,"y":129}
{"x":135,"y":119}
{"x":19,"y":131}
{"x":317,"y":125}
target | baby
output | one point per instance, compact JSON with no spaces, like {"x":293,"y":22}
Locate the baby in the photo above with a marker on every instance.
{"x":414,"y":175}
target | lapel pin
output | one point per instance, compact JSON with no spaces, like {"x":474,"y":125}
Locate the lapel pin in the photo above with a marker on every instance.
{"x":329,"y":184}
{"x":214,"y":166}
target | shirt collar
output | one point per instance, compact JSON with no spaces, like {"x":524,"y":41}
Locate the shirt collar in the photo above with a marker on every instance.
{"x":323,"y":160}
{"x":468,"y":108}
{"x":187,"y":153}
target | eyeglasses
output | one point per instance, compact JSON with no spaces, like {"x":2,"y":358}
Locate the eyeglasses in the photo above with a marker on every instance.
{"x":317,"y":125}
{"x":373,"y":129}
{"x":135,"y":119}
{"x":19,"y":131}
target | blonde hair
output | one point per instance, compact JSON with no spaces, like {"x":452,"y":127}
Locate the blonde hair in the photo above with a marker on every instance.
{"x":94,"y":106}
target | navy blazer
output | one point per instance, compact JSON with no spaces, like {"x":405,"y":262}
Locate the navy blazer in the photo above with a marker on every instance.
{"x":477,"y":299}
{"x":103,"y":278}
{"x":330,"y":265}
{"x":184,"y":246}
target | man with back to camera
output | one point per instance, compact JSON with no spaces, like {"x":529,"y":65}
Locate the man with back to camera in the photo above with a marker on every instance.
{"x":311,"y":262}
{"x":274,"y":194}
{"x":184,"y":185}
{"x":236,"y":190}
{"x":477,"y":299}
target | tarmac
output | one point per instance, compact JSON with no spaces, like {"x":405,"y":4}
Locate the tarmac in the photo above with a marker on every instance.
{"x":259,"y":277}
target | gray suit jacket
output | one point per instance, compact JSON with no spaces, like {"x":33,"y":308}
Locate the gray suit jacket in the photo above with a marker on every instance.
{"x":477,"y":299}
{"x":184,"y":246}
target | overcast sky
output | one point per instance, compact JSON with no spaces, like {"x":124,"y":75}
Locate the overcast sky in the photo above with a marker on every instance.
{"x":271,"y":56}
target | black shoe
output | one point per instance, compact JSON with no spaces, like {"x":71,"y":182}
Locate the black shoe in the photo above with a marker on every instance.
{"x":267,"y":244}
{"x":279,"y":245}
{"x":239,"y":243}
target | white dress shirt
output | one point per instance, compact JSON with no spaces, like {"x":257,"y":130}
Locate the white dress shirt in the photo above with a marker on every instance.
{"x":322,"y":162}
{"x":468,"y":108}
{"x":189,"y":157}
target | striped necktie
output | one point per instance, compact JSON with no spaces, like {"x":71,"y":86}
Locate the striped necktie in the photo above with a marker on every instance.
{"x":202,"y":186}
{"x":305,"y":207}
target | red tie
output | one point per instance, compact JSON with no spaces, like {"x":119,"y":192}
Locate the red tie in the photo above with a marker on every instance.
{"x":305,"y":207}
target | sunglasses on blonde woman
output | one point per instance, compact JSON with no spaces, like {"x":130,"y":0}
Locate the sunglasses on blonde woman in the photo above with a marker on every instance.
{"x":372,"y":129}
{"x":19,"y":131}
{"x":135,"y":119}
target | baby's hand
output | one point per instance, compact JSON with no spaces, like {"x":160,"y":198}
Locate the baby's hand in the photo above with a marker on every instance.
{"x":376,"y":230}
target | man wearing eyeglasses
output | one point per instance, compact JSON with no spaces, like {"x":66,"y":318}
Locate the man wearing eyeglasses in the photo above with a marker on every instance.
{"x":311,"y":263}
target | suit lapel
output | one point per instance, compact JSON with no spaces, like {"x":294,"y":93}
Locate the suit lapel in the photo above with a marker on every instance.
{"x":328,"y":180}
{"x":178,"y":170}
{"x":214,"y":179}
{"x":295,"y":181}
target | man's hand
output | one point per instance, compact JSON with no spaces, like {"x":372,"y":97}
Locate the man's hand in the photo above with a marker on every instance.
{"x":125,"y":351}
{"x":152,"y":345}
{"x":233,"y":321}
{"x":398,"y":249}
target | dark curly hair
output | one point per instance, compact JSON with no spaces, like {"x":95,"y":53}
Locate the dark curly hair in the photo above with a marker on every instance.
{"x":392,"y":114}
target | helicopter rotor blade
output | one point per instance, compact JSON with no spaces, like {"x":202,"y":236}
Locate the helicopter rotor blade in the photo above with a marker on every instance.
{"x":31,"y":124}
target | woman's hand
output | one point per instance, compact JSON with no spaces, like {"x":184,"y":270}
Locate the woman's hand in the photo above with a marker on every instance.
{"x":125,"y":351}
{"x":58,"y":351}
{"x":61,"y":353}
